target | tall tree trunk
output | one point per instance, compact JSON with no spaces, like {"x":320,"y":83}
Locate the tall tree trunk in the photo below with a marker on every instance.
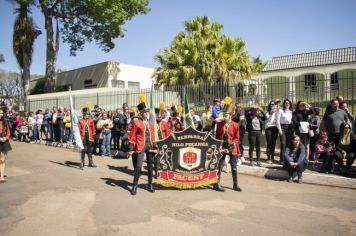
{"x":51,"y":56}
{"x":49,"y":87}
{"x":26,"y":78}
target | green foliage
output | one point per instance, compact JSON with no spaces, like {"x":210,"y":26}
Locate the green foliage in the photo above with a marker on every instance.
{"x":93,"y":20}
{"x":25,"y":33}
{"x":257,"y":65}
{"x":202,"y":53}
{"x":2,"y":59}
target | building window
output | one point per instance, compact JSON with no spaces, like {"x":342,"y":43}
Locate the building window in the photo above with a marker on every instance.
{"x":133,"y":85}
{"x":310,"y":82}
{"x":117,"y":83}
{"x":89,"y":84}
{"x":334,"y":81}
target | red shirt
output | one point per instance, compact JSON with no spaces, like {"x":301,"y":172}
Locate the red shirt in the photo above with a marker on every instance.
{"x":136,"y":134}
{"x":7,"y":129}
{"x":233,"y":132}
{"x":91,"y":128}
{"x":165,"y":130}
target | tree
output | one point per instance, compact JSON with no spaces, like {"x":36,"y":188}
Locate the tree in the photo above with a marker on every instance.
{"x":201,"y":53}
{"x":25,"y":33}
{"x":257,"y":65}
{"x":84,"y":21}
{"x":2,"y":59}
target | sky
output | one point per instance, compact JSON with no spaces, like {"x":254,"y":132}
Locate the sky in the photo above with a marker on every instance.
{"x":269,"y":27}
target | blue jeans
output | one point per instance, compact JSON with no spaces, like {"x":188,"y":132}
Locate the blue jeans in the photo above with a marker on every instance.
{"x":106,"y":145}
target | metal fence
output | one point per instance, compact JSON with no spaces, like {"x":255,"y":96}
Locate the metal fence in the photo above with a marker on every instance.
{"x":317,"y":91}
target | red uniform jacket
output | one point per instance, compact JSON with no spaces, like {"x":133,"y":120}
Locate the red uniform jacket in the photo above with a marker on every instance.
{"x":7,"y":129}
{"x":91,"y":129}
{"x":165,"y":129}
{"x":233,"y":132}
{"x":136,"y":134}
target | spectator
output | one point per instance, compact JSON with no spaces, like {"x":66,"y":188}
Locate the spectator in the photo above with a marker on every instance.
{"x":216,"y":108}
{"x":207,"y":120}
{"x":123,"y":122}
{"x":284,"y":125}
{"x":67,"y":120}
{"x":60,"y":124}
{"x":24,"y":131}
{"x":346,"y":149}
{"x":351,"y":117}
{"x":324,"y":150}
{"x":255,"y":118}
{"x":294,"y":157}
{"x":333,"y":120}
{"x":105,"y":125}
{"x":47,"y":125}
{"x":314,"y":124}
{"x":115,"y":130}
{"x":5,"y":146}
{"x":301,"y":125}
{"x":39,"y":121}
{"x":271,"y":131}
{"x":32,"y":125}
{"x":239,"y":117}
{"x":196,"y":120}
{"x":55,"y":130}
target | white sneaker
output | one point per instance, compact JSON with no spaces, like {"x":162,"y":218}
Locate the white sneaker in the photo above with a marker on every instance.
{"x":243,"y":159}
{"x":239,"y":162}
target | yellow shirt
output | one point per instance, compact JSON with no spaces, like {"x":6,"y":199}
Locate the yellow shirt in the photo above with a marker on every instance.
{"x":67,"y":121}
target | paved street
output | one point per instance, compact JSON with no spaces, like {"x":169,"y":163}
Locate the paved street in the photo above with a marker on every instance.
{"x":46,"y":194}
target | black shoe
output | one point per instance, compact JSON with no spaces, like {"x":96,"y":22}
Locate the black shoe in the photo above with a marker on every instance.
{"x":81,"y":166}
{"x":237,"y":188}
{"x":150,"y":189}
{"x":133,"y":190}
{"x":218,"y":188}
{"x":92,"y":165}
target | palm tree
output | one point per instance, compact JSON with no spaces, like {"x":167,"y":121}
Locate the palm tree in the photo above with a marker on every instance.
{"x":201,"y":54}
{"x":25,"y":33}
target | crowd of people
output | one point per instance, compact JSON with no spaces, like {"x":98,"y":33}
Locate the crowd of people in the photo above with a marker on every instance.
{"x":302,"y":134}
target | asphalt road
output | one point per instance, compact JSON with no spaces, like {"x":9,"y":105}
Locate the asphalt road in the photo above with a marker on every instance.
{"x":46,"y":194}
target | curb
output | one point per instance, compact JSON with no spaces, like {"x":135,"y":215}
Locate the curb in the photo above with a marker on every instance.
{"x":318,"y":179}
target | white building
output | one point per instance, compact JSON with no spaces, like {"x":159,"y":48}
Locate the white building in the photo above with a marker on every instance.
{"x":104,"y":75}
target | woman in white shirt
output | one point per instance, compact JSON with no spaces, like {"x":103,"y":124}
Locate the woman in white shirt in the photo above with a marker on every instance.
{"x":39,"y":121}
{"x":271,"y":130}
{"x":284,"y":125}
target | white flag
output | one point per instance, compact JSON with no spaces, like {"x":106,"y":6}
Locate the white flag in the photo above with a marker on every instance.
{"x":76,"y":133}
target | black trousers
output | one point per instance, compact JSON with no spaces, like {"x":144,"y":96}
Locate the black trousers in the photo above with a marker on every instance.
{"x":233,"y":163}
{"x":287,"y":132}
{"x":327,"y":158}
{"x":271,"y":138}
{"x":254,"y":141}
{"x":88,"y":147}
{"x":138,"y":158}
{"x":350,"y":158}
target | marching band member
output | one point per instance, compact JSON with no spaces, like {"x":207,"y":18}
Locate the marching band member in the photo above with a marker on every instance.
{"x":87,"y":131}
{"x":142,"y":138}
{"x":228,"y":131}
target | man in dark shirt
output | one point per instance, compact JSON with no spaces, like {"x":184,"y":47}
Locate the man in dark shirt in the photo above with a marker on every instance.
{"x":333,"y":119}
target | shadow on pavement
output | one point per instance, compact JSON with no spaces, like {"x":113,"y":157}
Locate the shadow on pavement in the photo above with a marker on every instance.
{"x":67,"y":163}
{"x":125,"y":170}
{"x":120,"y":183}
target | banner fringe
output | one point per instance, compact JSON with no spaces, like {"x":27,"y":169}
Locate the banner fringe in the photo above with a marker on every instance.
{"x":168,"y":184}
